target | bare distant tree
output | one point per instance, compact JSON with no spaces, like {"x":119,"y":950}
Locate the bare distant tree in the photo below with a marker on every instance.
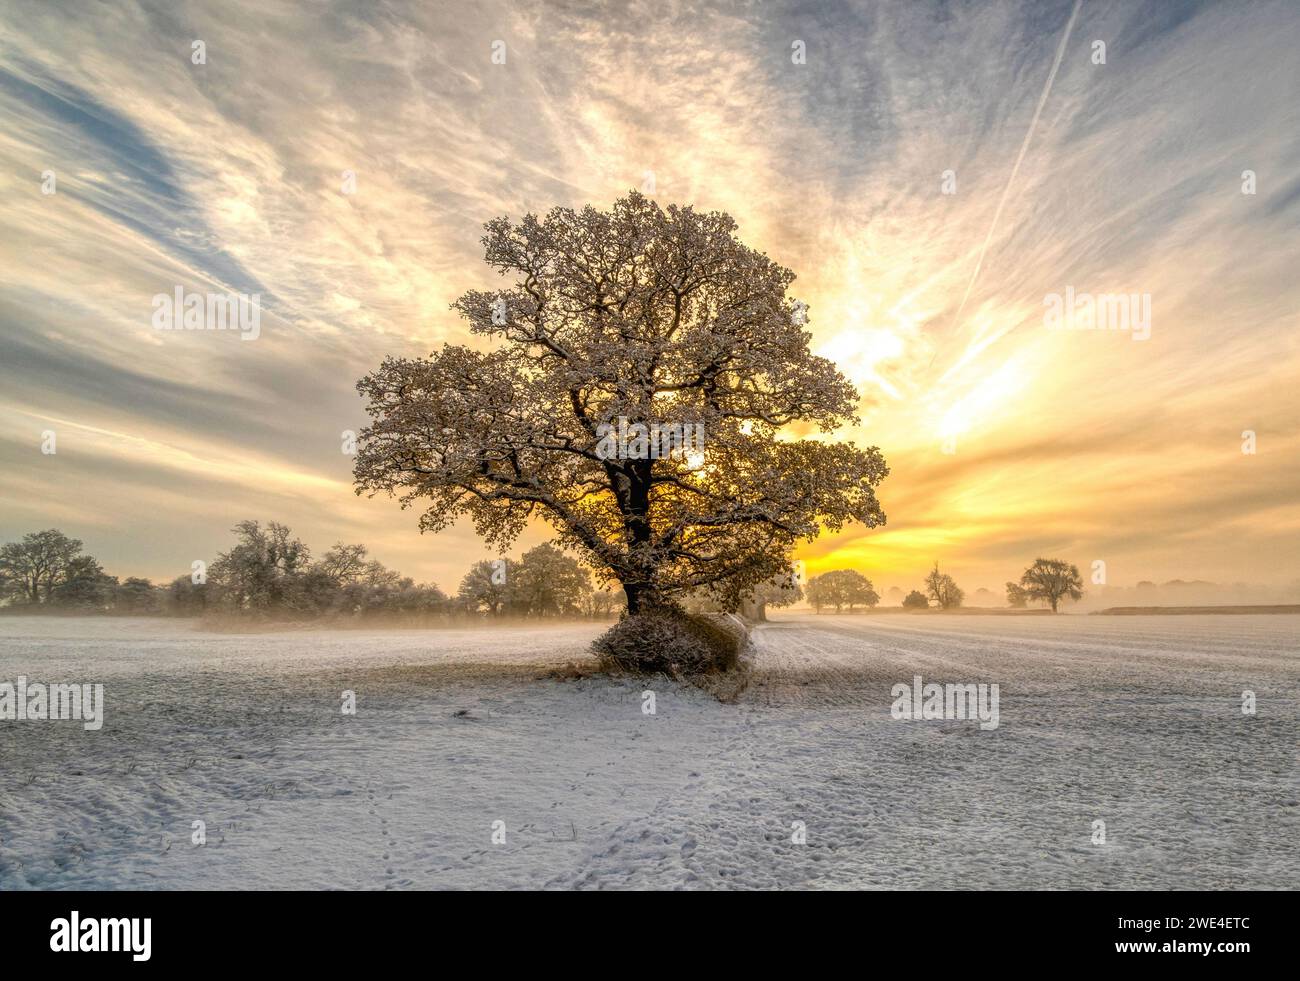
{"x":1017,"y":598}
{"x":344,"y":564}
{"x":185,"y":597}
{"x":31,"y":569}
{"x":1052,"y":580}
{"x":262,"y":569}
{"x":637,"y":316}
{"x":138,"y":596}
{"x":490,"y":586}
{"x":85,"y":585}
{"x":943,"y":589}
{"x":550,"y":583}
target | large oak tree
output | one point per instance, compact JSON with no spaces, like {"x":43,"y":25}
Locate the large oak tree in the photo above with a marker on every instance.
{"x":652,"y":316}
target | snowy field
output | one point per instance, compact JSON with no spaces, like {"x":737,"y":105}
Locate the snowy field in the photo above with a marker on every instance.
{"x":1135,"y":721}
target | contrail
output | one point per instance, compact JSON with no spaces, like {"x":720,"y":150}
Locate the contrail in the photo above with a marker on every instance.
{"x":1042,"y":100}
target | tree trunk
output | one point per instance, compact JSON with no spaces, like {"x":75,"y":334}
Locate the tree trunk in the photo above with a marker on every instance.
{"x":635,"y":504}
{"x":640,"y":597}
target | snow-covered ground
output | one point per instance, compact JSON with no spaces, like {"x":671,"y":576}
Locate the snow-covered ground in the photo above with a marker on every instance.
{"x":1134,"y":721}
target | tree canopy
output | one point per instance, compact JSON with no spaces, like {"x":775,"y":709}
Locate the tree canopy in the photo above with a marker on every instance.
{"x":840,"y":588}
{"x":1052,"y":580}
{"x":943,"y":589}
{"x":636,"y":316}
{"x":916,"y":600}
{"x":42,"y":562}
{"x":545,"y":582}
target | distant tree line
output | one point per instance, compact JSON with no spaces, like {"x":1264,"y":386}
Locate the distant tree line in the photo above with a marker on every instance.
{"x":269,"y":573}
{"x":845,"y":588}
{"x":1049,"y":581}
{"x":47,"y":569}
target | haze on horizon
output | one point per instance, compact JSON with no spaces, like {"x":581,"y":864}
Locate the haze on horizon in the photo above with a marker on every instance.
{"x":1122,"y":177}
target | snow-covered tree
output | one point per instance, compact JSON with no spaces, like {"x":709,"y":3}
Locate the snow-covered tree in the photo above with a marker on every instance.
{"x":33,"y":568}
{"x":550,"y":583}
{"x":613,"y":320}
{"x":343,"y":564}
{"x":261,"y":572}
{"x":490,"y":586}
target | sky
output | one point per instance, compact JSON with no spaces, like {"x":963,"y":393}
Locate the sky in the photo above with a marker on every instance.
{"x":1007,"y":439}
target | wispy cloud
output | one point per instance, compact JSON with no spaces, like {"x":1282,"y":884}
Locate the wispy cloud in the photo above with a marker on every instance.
{"x":228,"y":176}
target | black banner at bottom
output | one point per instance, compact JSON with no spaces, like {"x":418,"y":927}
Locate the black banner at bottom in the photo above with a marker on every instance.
{"x":141,"y":931}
